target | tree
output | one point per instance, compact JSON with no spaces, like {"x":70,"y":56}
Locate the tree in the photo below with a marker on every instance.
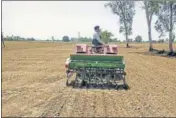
{"x":52,"y":38}
{"x":113,"y":40}
{"x":161,"y":41}
{"x":106,"y":36}
{"x":150,"y":7}
{"x":174,"y":37}
{"x":65,"y":39}
{"x":138,"y":38}
{"x":2,"y":39}
{"x":166,"y":21}
{"x":31,"y":39}
{"x":86,"y":39}
{"x":130,"y":40}
{"x":125,"y":10}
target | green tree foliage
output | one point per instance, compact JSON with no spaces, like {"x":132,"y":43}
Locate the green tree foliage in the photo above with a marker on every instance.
{"x":52,"y":38}
{"x":85,"y":39}
{"x":106,"y":36}
{"x":81,"y":39}
{"x":161,"y":41}
{"x":130,"y":40}
{"x":138,"y":38}
{"x":166,"y":21}
{"x":125,"y":10}
{"x":18,"y":38}
{"x":72,"y":39}
{"x":31,"y":39}
{"x":65,"y":39}
{"x":113,"y":40}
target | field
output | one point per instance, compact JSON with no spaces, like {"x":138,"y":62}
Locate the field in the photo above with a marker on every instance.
{"x":33,"y":83}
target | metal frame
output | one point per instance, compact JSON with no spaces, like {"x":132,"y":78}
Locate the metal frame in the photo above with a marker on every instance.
{"x":95,"y":77}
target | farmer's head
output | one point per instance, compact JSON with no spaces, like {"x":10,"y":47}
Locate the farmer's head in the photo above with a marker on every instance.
{"x":97,"y":28}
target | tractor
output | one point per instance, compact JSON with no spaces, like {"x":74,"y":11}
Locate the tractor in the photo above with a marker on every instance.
{"x":97,"y":66}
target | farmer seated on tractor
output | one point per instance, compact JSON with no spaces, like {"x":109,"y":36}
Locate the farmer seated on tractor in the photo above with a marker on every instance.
{"x":97,"y":42}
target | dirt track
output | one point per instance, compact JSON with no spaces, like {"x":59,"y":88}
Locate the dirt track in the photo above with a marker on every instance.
{"x":33,"y":84}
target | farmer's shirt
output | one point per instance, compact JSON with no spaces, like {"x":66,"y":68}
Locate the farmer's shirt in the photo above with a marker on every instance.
{"x":97,"y":36}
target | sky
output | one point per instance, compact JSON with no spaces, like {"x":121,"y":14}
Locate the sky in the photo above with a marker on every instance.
{"x":44,"y":19}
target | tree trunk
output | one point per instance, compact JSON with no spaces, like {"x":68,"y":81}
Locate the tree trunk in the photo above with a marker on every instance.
{"x":127,"y":43}
{"x":170,"y":30}
{"x":126,"y":34}
{"x":2,"y":40}
{"x":149,"y":25}
{"x":150,"y":37}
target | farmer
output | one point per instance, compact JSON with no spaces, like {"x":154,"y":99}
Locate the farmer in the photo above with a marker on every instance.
{"x":96,"y":37}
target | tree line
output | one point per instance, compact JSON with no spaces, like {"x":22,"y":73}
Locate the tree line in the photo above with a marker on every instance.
{"x":16,"y":38}
{"x":165,"y":11}
{"x":105,"y":35}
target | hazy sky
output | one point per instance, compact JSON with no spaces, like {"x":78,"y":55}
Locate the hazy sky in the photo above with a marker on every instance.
{"x":43,"y":19}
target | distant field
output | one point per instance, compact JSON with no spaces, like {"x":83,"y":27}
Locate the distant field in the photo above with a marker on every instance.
{"x":33,"y":83}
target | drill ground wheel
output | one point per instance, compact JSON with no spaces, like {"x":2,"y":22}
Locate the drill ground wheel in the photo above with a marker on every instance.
{"x":67,"y":84}
{"x":125,"y":86}
{"x":78,"y":82}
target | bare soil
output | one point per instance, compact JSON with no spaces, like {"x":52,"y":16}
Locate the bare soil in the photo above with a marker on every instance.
{"x":33,"y":84}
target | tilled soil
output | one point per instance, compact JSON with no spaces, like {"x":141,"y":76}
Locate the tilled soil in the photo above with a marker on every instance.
{"x":33,"y":84}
